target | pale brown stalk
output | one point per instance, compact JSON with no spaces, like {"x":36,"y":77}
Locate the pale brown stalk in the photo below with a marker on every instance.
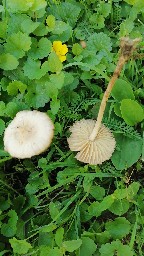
{"x":127,"y":47}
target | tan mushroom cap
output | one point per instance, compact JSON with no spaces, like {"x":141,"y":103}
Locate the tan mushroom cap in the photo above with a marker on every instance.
{"x":92,"y":152}
{"x":30,"y":133}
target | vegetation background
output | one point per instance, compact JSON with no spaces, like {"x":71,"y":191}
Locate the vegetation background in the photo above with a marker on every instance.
{"x":52,"y":204}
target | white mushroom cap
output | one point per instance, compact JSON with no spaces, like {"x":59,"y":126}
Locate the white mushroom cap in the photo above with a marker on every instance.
{"x":30,"y":133}
{"x":92,"y":152}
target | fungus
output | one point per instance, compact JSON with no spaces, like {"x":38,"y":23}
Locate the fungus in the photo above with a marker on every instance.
{"x":94,"y":141}
{"x":30,"y":133}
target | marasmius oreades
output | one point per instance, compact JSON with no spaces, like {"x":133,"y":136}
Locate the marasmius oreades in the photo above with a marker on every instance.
{"x":93,"y":140}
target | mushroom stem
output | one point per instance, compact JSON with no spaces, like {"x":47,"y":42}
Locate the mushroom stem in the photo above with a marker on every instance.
{"x":127,"y":47}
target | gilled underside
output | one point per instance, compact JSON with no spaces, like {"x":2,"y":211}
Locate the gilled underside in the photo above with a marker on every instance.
{"x":92,"y":152}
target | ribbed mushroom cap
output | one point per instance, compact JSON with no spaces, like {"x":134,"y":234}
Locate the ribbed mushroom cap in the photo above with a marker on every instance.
{"x":92,"y":152}
{"x":30,"y":133}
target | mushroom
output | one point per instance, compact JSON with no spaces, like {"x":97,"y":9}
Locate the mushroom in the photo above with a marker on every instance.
{"x":30,"y":133}
{"x":94,"y":141}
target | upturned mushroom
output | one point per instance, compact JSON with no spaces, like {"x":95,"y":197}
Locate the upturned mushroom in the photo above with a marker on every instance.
{"x":30,"y":133}
{"x":93,"y":140}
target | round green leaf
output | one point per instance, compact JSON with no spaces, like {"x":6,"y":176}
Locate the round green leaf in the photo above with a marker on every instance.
{"x":59,"y":236}
{"x":50,"y":21}
{"x":20,"y":246}
{"x":131,"y":111}
{"x":16,"y":5}
{"x":88,"y":247}
{"x":122,"y":90}
{"x":17,"y":44}
{"x":118,"y":228}
{"x":97,"y":192}
{"x":54,"y":64}
{"x":119,"y":207}
{"x":127,"y":153}
{"x":72,"y":245}
{"x":77,"y":49}
{"x":15,"y":86}
{"x":8,"y":61}
{"x":11,"y":109}
{"x":9,"y":229}
{"x":115,"y":248}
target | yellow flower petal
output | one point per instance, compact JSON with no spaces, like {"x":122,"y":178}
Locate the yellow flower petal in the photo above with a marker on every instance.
{"x":62,"y":58}
{"x":64,"y":49}
{"x":60,"y":49}
{"x":57,"y":45}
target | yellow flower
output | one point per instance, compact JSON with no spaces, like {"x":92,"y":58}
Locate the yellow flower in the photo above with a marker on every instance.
{"x":60,"y":49}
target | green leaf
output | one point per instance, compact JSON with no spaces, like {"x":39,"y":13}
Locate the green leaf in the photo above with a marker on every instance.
{"x":54,"y":64}
{"x":8,"y":61}
{"x":98,"y":20}
{"x":19,"y":6}
{"x":34,"y":70}
{"x":102,"y":237}
{"x":3,"y":28}
{"x":41,"y":49}
{"x":127,"y":153}
{"x":17,"y":44}
{"x":122,"y":90}
{"x":57,"y":79}
{"x":117,"y":109}
{"x":15,"y":87}
{"x":20,"y":246}
{"x":41,"y":30}
{"x":77,"y":49}
{"x":48,"y":228}
{"x":21,"y":22}
{"x":9,"y":229}
{"x":59,"y":236}
{"x":104,"y":9}
{"x":87,"y":182}
{"x":60,"y":27}
{"x":118,"y":228}
{"x":97,"y":192}
{"x":47,"y":251}
{"x":65,"y":11}
{"x":11,"y":109}
{"x":38,"y":94}
{"x":72,"y":245}
{"x":1,"y":8}
{"x":2,"y":126}
{"x":53,"y":209}
{"x":95,"y":209}
{"x":132,"y":190}
{"x":99,"y":42}
{"x":2,"y":108}
{"x":128,"y":192}
{"x":50,"y":21}
{"x":52,"y":91}
{"x":115,"y":248}
{"x":126,"y":27}
{"x":28,"y":26}
{"x":119,"y":207}
{"x":38,"y":5}
{"x":55,"y":106}
{"x":88,"y":247}
{"x":132,"y":112}
{"x":132,"y":2}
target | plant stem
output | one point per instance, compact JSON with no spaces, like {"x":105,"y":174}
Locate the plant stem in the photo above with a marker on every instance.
{"x":111,"y":83}
{"x":127,"y":48}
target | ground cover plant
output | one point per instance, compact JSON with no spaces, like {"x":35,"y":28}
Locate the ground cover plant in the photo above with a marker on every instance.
{"x":57,"y":57}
